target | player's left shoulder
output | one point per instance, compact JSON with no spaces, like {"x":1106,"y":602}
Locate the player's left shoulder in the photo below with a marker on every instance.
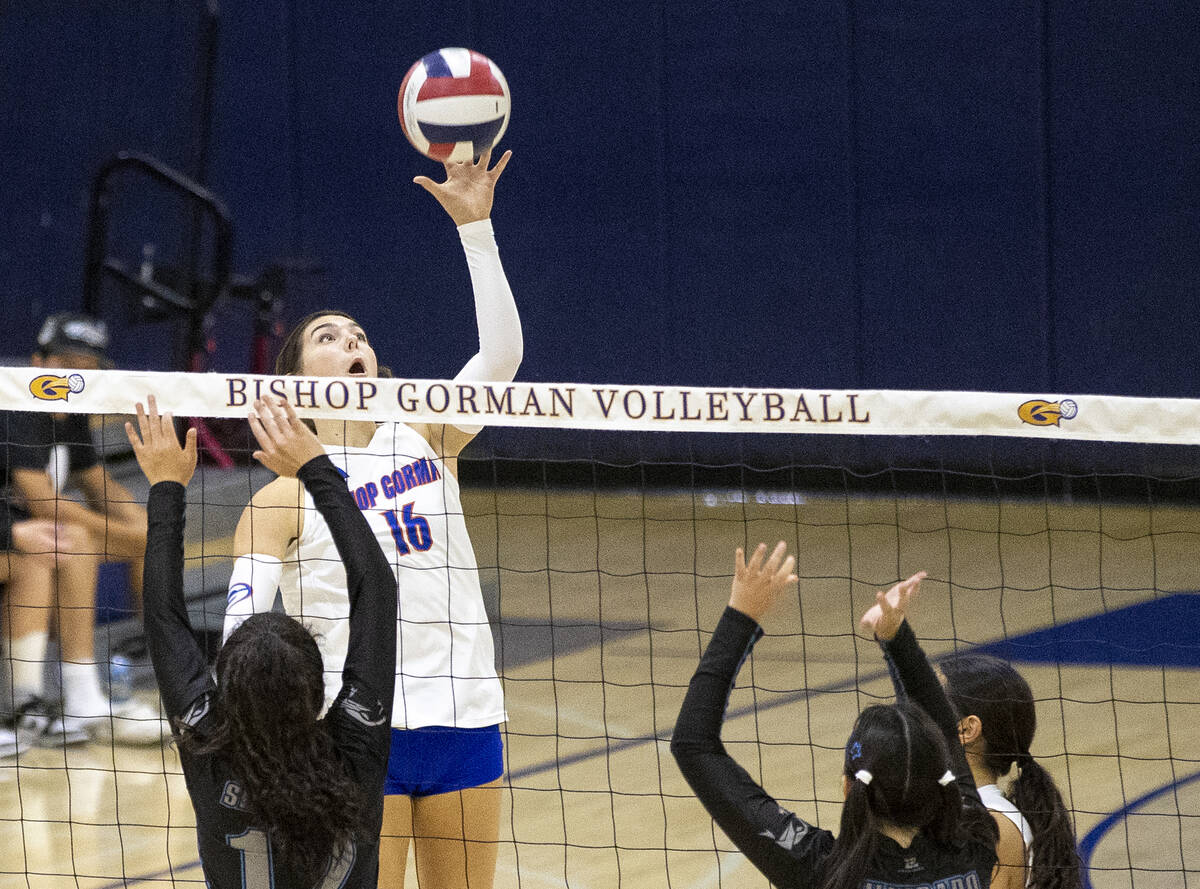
{"x":1010,"y":854}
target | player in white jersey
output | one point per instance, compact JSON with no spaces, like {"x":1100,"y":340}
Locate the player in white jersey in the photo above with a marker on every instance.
{"x":445,"y":765}
{"x":447,"y":665}
{"x":1036,"y":848}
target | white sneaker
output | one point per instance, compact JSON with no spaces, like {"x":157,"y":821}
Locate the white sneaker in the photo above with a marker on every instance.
{"x":132,"y":722}
{"x":37,"y":722}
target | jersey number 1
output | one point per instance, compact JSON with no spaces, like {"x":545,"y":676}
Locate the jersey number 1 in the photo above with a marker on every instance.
{"x":257,"y":866}
{"x":408,"y":525}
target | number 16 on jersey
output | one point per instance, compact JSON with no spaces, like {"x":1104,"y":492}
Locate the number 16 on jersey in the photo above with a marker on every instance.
{"x":410,"y":531}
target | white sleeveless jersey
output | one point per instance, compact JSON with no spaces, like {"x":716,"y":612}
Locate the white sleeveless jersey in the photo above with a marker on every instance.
{"x":445,"y":661}
{"x":995,"y":800}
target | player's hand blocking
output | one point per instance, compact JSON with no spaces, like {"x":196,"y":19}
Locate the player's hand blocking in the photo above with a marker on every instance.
{"x":157,"y":448}
{"x":285,"y":443}
{"x":469,"y":187}
{"x":887,"y":614}
{"x":758,"y":583}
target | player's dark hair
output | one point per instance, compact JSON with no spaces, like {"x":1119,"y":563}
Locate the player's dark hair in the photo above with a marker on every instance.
{"x":287,"y":362}
{"x":270,"y":690}
{"x":989,"y":688}
{"x":904,"y":753}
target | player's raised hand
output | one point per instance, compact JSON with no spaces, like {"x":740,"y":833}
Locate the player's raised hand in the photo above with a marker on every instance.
{"x":758,"y":583}
{"x":157,"y":448}
{"x":469,"y":187}
{"x":285,"y":443}
{"x":887,"y":614}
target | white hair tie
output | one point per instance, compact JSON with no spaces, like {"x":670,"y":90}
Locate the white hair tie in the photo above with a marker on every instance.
{"x":864,"y":776}
{"x":947,"y":778}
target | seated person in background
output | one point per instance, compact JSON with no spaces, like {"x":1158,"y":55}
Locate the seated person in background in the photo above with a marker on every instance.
{"x":42,"y":453}
{"x":30,"y":570}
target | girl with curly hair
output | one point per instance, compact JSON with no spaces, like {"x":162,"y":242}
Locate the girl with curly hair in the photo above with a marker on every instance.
{"x":283,"y":799}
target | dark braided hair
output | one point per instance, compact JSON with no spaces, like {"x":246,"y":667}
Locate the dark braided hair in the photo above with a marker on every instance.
{"x":270,"y":690}
{"x":904,"y":754}
{"x":989,"y":688}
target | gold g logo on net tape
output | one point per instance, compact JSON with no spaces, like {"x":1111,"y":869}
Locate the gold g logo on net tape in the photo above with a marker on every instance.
{"x":1047,"y":413}
{"x":52,"y":387}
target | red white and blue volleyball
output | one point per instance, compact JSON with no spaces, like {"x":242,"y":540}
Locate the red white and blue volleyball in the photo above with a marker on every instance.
{"x":454,"y":104}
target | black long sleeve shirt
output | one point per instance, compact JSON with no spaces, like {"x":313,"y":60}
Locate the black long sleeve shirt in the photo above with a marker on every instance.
{"x":234,"y":852}
{"x":788,"y":850}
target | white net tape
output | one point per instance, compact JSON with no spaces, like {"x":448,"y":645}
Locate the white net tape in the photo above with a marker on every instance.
{"x":621,"y":407}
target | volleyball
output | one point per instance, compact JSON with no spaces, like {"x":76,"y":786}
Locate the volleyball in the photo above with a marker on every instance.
{"x":453,"y":104}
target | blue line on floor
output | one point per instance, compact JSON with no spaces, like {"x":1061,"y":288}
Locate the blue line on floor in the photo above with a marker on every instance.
{"x":1088,"y":844}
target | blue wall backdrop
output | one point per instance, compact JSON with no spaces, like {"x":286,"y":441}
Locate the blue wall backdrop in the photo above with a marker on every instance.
{"x":943,"y":195}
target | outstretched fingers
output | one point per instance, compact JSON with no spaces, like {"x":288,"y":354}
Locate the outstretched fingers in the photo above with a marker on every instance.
{"x":907,"y":590}
{"x":777,"y":566}
{"x":756,"y":558}
{"x":478,"y":166}
{"x":290,"y":417}
{"x":285,"y":442}
{"x":136,"y":436}
{"x":757,"y":583}
{"x":500,"y":164}
{"x":189,"y":445}
{"x":891,"y":606}
{"x":264,"y":426}
{"x":156,"y":446}
{"x":147,"y":425}
{"x":886,"y":610}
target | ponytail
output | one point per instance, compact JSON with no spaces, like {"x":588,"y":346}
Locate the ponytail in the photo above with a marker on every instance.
{"x":857,"y":840}
{"x":953,"y":821}
{"x":1056,"y":862}
{"x":989,"y":688}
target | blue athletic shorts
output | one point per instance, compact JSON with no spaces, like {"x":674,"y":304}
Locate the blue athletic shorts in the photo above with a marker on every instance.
{"x":440,"y":759}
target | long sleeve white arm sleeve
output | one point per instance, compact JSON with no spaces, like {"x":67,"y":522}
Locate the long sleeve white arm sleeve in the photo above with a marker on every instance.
{"x":501,"y":345}
{"x":252,"y":589}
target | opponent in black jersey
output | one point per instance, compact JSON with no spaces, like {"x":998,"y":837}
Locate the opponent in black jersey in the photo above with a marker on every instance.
{"x":283,"y":800}
{"x":912,"y":816}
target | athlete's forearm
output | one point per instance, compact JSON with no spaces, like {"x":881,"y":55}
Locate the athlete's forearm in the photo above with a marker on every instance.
{"x":179,"y":663}
{"x":781,"y":845}
{"x":501,"y":344}
{"x":913,"y":676}
{"x":370,"y":583}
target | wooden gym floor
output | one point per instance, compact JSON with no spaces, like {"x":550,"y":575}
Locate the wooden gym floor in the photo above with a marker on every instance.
{"x":605,"y":600}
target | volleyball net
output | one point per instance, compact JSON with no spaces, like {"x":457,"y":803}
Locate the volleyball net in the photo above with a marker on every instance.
{"x":1058,"y":531}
